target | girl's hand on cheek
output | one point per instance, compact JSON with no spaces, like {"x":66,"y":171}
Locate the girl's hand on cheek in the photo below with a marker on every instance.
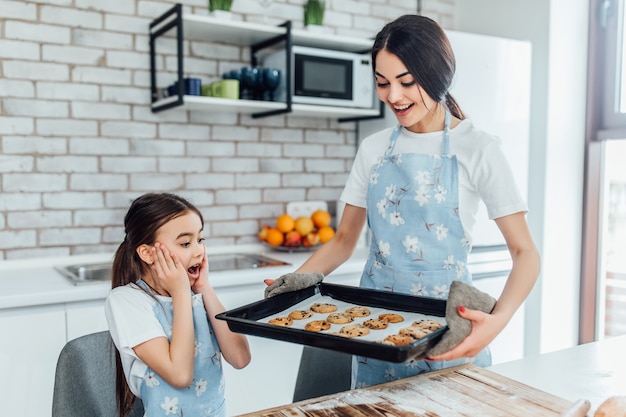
{"x":203,"y":279}
{"x":170,"y":273}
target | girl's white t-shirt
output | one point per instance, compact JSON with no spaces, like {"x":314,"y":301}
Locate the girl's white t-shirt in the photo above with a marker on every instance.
{"x":484,"y":172}
{"x":130,"y":316}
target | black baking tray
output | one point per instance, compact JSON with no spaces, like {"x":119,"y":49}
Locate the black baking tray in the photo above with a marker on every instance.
{"x":245,"y":320}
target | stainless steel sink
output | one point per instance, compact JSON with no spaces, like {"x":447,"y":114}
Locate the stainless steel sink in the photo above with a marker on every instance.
{"x":86,"y":273}
{"x":101,"y":272}
{"x":234,"y":261}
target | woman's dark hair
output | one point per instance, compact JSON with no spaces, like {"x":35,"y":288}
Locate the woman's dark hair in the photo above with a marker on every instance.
{"x":141,"y":223}
{"x":422,"y":45}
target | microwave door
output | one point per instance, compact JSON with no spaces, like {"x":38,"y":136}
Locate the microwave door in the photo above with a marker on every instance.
{"x":321,"y":80}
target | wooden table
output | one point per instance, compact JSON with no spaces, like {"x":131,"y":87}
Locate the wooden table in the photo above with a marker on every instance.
{"x":461,"y":391}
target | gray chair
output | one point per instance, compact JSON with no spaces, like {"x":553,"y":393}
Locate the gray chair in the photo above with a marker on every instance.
{"x":322,"y":372}
{"x":84,"y":383}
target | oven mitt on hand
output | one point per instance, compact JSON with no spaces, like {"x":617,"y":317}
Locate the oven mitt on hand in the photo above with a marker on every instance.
{"x":292,"y":282}
{"x":461,"y":294}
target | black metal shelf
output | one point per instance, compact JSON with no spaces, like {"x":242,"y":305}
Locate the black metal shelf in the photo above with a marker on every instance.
{"x":257,"y":37}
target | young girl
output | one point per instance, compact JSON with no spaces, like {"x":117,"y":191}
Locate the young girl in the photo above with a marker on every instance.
{"x":418,"y":187}
{"x":161,"y":314}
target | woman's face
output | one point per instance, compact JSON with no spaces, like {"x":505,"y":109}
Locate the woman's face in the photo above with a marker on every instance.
{"x":183,"y":236}
{"x":397,"y":88}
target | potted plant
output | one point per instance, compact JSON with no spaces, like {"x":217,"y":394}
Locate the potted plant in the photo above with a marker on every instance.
{"x":314,"y":12}
{"x":220,"y":8}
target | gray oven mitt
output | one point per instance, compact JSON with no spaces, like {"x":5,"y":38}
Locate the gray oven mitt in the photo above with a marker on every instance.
{"x":292,"y":282}
{"x":461,"y":294}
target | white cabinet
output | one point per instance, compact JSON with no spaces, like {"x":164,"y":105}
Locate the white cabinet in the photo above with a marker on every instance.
{"x":509,"y":344}
{"x":31,"y":341}
{"x":269,"y":379}
{"x":84,"y":318}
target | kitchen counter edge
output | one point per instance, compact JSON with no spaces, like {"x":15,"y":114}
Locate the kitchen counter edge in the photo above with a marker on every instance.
{"x":35,"y":282}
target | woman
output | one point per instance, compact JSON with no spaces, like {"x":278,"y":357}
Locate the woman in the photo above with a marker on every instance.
{"x":418,"y":186}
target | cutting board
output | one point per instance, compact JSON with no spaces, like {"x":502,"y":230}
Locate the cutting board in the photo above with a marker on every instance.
{"x":461,"y":391}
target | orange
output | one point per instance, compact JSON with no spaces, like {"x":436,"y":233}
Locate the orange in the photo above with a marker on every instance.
{"x":285,"y":223}
{"x":326,"y":233}
{"x":304,"y":225}
{"x":274,"y":237}
{"x":321,"y":218}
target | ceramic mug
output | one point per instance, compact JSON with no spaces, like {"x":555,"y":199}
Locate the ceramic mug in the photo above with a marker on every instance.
{"x":225,"y":89}
{"x":191,"y":87}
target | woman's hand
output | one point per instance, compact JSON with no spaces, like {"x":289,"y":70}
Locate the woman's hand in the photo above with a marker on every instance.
{"x":168,"y":271}
{"x":485,"y":327}
{"x":524,"y":273}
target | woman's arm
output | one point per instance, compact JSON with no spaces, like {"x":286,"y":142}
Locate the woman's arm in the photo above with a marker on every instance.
{"x":337,"y":250}
{"x":524,"y":273}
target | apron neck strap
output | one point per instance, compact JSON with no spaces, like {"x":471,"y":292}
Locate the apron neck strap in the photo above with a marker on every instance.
{"x":445,"y":144}
{"x":392,"y":139}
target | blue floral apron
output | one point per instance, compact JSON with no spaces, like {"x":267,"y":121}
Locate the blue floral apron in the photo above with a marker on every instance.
{"x":205,"y":396}
{"x":418,"y":244}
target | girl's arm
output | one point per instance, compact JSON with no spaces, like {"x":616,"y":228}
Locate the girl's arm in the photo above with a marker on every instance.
{"x":172,"y":361}
{"x":234,"y":346}
{"x":524,"y":273}
{"x":337,"y":250}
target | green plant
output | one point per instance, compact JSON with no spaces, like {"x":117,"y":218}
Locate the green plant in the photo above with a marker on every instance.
{"x":220,"y":5}
{"x":314,"y":12}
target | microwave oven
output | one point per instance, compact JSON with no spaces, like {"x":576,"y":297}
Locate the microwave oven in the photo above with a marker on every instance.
{"x":324,"y":77}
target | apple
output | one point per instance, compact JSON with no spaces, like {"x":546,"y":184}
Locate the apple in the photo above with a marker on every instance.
{"x":311,"y":239}
{"x":262,"y":235}
{"x":293,"y":239}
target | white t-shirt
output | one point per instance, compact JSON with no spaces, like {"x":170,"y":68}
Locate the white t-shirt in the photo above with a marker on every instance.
{"x":131,"y":320}
{"x":484,"y":172}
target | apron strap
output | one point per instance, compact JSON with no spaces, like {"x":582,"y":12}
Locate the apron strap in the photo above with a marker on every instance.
{"x":445,"y":144}
{"x":393,"y":139}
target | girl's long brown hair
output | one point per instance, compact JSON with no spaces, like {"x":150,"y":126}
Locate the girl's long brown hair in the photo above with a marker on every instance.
{"x":422,"y":45}
{"x":141,"y":223}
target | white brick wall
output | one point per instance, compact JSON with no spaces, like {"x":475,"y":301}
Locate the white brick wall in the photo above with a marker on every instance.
{"x":78,"y":141}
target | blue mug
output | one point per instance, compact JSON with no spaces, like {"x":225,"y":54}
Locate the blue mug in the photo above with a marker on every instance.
{"x":191,"y":87}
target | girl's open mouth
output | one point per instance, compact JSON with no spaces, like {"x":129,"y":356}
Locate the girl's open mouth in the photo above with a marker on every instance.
{"x":194,"y":271}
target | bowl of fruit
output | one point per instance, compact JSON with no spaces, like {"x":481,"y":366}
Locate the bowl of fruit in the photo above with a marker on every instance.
{"x":302,"y":233}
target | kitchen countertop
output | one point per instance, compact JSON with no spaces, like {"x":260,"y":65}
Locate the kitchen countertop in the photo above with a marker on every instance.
{"x":32,"y":282}
{"x":592,"y":371}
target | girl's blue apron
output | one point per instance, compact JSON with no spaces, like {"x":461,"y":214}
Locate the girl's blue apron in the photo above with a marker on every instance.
{"x":205,"y":396}
{"x":418,"y":243}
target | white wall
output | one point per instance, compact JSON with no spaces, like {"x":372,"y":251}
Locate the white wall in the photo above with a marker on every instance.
{"x":78,"y":141}
{"x":558,"y":32}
